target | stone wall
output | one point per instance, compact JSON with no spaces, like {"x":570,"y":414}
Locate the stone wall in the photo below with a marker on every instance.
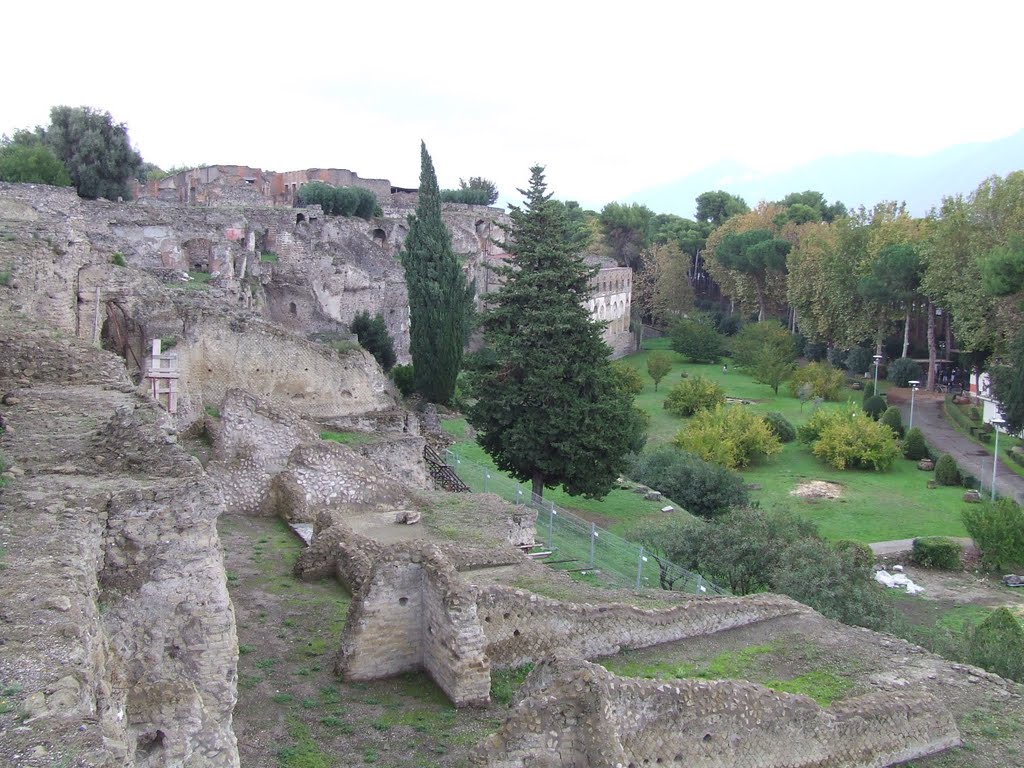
{"x":522,"y":627}
{"x":571,"y":713}
{"x":415,"y":613}
{"x":118,"y":632}
{"x":504,"y":627}
{"x":611,"y":303}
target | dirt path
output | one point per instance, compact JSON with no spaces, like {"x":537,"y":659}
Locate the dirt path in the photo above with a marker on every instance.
{"x":943,"y":438}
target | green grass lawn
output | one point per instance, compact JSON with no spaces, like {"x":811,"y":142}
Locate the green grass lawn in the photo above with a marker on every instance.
{"x":873,"y":506}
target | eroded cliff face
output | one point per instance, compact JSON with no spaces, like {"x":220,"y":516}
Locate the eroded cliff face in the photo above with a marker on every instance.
{"x":117,"y":632}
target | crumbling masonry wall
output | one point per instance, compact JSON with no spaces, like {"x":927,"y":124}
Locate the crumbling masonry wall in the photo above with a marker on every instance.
{"x":571,"y":713}
{"x":415,"y":613}
{"x":392,"y":630}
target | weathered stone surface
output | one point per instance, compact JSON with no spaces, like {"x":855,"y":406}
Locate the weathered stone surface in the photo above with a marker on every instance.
{"x":117,"y":629}
{"x":571,"y":713}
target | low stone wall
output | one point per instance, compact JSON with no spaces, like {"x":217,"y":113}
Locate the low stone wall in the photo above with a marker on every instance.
{"x":522,"y":627}
{"x":415,"y":612}
{"x":571,"y":713}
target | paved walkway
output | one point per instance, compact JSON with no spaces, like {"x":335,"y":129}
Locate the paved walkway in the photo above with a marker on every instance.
{"x":943,"y":438}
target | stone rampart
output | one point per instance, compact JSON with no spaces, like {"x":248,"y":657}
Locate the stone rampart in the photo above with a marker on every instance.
{"x":571,"y":713}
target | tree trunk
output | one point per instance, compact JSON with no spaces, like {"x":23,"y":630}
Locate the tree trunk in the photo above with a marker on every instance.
{"x":931,"y":347}
{"x":760,"y":300}
{"x":906,"y":332}
{"x":538,"y":485}
{"x":880,"y":335}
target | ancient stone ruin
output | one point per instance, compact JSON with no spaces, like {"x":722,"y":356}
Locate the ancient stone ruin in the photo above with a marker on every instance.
{"x":116,"y":627}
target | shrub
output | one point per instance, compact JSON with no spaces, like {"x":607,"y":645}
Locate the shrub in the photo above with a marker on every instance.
{"x":861,"y":553}
{"x":627,"y":378}
{"x":373,"y":336}
{"x":997,"y":645}
{"x":815,"y":351}
{"x":729,"y":325}
{"x":998,"y":530}
{"x":833,"y":582}
{"x":404,"y":378}
{"x":858,"y":360}
{"x":780,"y":427}
{"x":691,"y":395}
{"x":824,"y":380}
{"x":855,"y":441}
{"x":117,"y":259}
{"x":901,"y":372}
{"x":339,"y":201}
{"x":914,"y":446}
{"x":893,"y":419}
{"x":702,"y":488}
{"x":875,"y":406}
{"x":936,"y":552}
{"x":836,"y":357}
{"x":730,"y":436}
{"x":946,"y":471}
{"x":697,"y":339}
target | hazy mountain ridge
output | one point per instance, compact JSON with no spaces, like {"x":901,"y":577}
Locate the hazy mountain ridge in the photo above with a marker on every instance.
{"x":859,"y":178}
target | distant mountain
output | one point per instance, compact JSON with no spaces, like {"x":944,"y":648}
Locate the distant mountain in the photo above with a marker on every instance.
{"x":860,"y":178}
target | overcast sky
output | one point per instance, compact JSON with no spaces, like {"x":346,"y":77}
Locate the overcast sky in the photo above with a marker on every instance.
{"x":612,"y":97}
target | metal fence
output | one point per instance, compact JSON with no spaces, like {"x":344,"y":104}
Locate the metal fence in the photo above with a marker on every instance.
{"x":581,"y":546}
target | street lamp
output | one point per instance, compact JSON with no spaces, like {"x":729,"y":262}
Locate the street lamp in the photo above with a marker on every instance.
{"x":878,"y":359}
{"x":995,"y":458}
{"x":913,"y":391}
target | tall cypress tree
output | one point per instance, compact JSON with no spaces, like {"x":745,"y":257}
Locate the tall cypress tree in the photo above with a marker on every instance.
{"x":440,"y":301}
{"x":548,"y":410}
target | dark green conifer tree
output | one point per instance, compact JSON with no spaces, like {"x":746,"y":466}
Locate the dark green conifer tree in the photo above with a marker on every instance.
{"x":440,"y":300}
{"x":549,"y":411}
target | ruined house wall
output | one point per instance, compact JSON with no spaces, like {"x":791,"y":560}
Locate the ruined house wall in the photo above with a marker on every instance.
{"x":611,"y":302}
{"x":503,"y":628}
{"x":571,"y":713}
{"x":414,"y":613}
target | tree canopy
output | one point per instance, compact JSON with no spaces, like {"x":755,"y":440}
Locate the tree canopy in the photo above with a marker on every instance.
{"x":550,"y":411}
{"x":95,"y":150}
{"x":715,"y":207}
{"x":24,"y":158}
{"x":440,"y":300}
{"x":477,"y":191}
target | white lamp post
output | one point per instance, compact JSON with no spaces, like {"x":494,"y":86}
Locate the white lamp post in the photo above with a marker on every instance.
{"x":913,"y":391}
{"x":995,"y":459}
{"x":878,"y":359}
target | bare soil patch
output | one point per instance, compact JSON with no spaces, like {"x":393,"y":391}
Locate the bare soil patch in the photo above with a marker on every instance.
{"x":817,"y":489}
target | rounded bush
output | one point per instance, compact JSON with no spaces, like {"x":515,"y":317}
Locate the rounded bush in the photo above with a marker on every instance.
{"x":692,"y":395}
{"x":860,"y":552}
{"x":936,"y":552}
{"x":701,"y":488}
{"x":901,"y":372}
{"x":893,"y":419}
{"x":946,"y":471}
{"x":780,"y":426}
{"x":859,"y":360}
{"x":818,"y":380}
{"x":914,"y":446}
{"x":875,"y":406}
